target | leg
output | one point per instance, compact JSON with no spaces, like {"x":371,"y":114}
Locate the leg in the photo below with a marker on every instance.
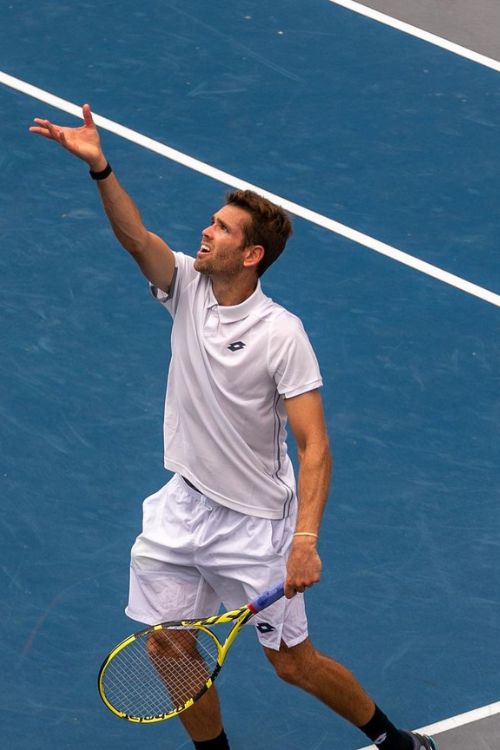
{"x":203,"y":720}
{"x":326,"y":679}
{"x":173,"y":652}
{"x":165,"y":585}
{"x":335,"y":686}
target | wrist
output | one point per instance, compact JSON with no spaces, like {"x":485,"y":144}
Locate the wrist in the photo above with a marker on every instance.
{"x":102,"y":174}
{"x":307,"y":537}
{"x":98,"y":164}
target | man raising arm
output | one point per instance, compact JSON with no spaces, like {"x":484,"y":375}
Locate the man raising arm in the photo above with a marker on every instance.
{"x":152,"y":254}
{"x":231,"y":523}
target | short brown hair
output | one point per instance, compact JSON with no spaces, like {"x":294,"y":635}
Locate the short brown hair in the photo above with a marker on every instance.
{"x":270,"y":225}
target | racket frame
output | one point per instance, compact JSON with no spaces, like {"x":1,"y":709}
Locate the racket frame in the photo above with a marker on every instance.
{"x":143,"y":634}
{"x":239,"y":617}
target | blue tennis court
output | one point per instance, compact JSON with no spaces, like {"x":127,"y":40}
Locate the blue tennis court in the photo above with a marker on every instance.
{"x":362,"y":124}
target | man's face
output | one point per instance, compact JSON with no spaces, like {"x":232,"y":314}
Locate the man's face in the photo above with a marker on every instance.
{"x":223,"y":242}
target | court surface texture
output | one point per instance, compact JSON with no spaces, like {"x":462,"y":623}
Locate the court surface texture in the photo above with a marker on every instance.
{"x":379,"y":129}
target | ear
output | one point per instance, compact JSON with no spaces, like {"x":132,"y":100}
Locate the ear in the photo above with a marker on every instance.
{"x":252,"y":255}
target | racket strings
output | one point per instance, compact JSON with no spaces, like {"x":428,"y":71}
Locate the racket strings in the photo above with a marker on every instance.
{"x":160,"y":672}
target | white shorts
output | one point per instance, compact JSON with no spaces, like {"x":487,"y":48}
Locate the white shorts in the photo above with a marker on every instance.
{"x":194,"y":555}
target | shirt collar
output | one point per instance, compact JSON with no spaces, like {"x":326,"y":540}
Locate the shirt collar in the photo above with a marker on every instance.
{"x":233,"y":313}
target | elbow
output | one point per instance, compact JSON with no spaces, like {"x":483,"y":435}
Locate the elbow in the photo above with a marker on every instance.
{"x":135,"y":241}
{"x":135,"y":246}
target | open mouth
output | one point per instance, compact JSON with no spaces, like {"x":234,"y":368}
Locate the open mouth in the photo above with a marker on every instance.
{"x":204,"y":249}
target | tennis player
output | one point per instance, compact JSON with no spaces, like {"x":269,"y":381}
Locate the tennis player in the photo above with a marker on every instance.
{"x":231,"y":522}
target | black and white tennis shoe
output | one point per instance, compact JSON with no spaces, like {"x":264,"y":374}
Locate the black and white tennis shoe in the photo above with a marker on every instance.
{"x":422,"y":742}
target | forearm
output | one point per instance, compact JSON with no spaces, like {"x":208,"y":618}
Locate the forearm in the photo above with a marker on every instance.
{"x":151,"y":253}
{"x":304,"y":563}
{"x":315,"y":472}
{"x":84,"y":143}
{"x":122,"y":213}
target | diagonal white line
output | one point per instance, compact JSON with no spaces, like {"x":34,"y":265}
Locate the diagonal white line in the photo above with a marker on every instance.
{"x":235,"y":182}
{"x":426,"y":36}
{"x":455,"y":721}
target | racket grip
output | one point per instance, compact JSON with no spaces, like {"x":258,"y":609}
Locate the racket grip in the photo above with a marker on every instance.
{"x":267,"y":598}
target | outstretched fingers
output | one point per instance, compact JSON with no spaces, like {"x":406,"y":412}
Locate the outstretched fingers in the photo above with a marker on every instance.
{"x":82,"y":141}
{"x":47,"y":129}
{"x":57,"y":133}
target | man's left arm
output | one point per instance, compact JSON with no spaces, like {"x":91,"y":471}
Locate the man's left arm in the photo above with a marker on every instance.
{"x":307,"y":422}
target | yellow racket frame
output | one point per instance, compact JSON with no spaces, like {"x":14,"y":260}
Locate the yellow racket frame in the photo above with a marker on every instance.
{"x":238,"y":616}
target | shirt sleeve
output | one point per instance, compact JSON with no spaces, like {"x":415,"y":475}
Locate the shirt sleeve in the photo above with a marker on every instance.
{"x":293,"y":363}
{"x":184,"y":274}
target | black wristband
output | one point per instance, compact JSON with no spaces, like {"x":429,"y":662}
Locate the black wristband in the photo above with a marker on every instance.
{"x":103,"y":174}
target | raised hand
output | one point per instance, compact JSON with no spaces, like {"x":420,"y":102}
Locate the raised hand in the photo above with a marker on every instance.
{"x":83,"y":142}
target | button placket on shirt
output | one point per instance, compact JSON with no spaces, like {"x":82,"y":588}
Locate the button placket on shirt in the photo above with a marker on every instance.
{"x":212,"y":321}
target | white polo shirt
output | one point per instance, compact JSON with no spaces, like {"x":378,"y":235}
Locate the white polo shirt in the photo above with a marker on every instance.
{"x":231,"y":368}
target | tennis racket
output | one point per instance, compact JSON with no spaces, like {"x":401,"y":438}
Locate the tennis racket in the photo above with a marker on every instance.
{"x":161,"y":671}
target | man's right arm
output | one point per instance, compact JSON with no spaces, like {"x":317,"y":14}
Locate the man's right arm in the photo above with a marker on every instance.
{"x":153,"y":256}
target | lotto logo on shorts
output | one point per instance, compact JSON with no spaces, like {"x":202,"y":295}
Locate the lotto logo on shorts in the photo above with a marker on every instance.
{"x":236,"y":346}
{"x":264,"y":627}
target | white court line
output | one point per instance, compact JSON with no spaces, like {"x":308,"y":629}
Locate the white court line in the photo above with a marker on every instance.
{"x":407,"y":28}
{"x":235,"y":182}
{"x":456,"y":721}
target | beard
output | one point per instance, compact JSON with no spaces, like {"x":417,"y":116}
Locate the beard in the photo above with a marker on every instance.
{"x":225,"y":264}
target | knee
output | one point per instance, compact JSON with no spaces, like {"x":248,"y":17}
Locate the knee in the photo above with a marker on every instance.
{"x":158,"y":647}
{"x":292,"y":664}
{"x":170,"y":644}
{"x":286,"y":669}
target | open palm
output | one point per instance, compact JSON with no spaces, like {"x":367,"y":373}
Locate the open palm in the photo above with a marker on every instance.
{"x":83,"y":141}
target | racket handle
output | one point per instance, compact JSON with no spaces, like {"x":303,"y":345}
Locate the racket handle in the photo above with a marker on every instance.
{"x":267,"y":598}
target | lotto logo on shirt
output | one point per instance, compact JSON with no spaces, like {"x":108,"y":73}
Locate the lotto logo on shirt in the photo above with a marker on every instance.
{"x":236,"y":346}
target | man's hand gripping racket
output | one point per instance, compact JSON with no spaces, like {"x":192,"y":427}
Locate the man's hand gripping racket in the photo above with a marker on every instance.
{"x":161,"y":671}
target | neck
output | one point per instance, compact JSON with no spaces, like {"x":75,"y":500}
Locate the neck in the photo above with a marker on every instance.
{"x":233,"y":291}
